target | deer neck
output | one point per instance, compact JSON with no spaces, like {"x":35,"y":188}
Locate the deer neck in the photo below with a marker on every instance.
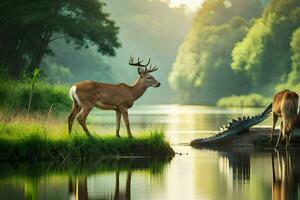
{"x":138,"y":88}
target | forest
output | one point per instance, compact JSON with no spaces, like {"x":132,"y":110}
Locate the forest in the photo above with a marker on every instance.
{"x":81,"y":48}
{"x":229,"y":49}
{"x":239,"y":48}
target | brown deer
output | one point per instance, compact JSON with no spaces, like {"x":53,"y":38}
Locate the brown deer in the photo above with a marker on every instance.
{"x":285,"y":105}
{"x":119,"y":97}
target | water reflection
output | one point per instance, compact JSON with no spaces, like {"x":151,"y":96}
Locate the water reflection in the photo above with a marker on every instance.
{"x":285,"y":177}
{"x":78,"y":188}
{"x":237,"y":164}
{"x":201,"y":174}
{"x":79,"y":181}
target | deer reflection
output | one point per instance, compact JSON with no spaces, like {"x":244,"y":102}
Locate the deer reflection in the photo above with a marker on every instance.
{"x":121,"y":195}
{"x":284,"y":185}
{"x":78,"y":188}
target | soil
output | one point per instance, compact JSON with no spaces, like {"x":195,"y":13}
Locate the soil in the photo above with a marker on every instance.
{"x":255,"y":139}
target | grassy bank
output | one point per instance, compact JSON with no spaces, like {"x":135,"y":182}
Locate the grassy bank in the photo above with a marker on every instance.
{"x":14,"y":96}
{"x":49,"y":141}
{"x":251,"y":100}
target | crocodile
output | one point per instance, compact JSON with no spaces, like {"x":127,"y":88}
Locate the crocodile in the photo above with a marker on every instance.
{"x":234,"y":128}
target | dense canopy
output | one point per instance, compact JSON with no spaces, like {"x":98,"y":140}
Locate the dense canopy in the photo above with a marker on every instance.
{"x":28,"y":27}
{"x":238,"y":47}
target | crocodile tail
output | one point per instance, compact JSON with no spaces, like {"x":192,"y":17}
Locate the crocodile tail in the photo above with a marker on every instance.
{"x":267,"y":111}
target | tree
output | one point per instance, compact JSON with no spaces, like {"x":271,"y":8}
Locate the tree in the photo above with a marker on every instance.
{"x":28,"y":27}
{"x":294,"y":75}
{"x":266,"y":48}
{"x":201,"y":71}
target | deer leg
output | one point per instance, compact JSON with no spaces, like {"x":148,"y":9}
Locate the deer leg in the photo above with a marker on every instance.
{"x":275,"y":118}
{"x":74,"y":112}
{"x":118,"y":121}
{"x":286,"y":142}
{"x":126,"y":120}
{"x":280,"y":134}
{"x":290,"y":136}
{"x":81,"y":117}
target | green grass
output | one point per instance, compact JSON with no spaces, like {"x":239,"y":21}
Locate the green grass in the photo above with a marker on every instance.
{"x":35,"y":141}
{"x":14,"y":96}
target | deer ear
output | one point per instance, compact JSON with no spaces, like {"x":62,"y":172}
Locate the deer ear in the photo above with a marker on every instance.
{"x":141,"y":71}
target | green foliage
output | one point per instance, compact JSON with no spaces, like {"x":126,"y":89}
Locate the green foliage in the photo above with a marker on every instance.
{"x":34,"y":77}
{"x":14,"y":96}
{"x":57,"y":73}
{"x":252,"y":56}
{"x":251,"y":100}
{"x":28,"y":27}
{"x":23,"y":141}
{"x":266,"y":48}
{"x":294,"y":75}
{"x":201,"y":72}
{"x":32,"y":80}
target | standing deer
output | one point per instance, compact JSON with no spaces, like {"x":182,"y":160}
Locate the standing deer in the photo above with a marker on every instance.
{"x":285,"y":105}
{"x":119,"y":97}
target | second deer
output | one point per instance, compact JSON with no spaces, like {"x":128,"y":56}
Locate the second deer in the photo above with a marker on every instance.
{"x":285,"y":105}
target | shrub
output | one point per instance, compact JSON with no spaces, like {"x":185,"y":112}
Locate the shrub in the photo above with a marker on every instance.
{"x":251,"y":100}
{"x":14,"y":96}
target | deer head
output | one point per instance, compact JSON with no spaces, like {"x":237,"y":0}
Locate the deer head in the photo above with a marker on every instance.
{"x":144,"y":72}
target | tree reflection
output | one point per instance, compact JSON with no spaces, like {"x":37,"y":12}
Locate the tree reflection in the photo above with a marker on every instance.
{"x":285,"y":179}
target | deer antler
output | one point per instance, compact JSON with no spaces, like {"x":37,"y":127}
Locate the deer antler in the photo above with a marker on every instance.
{"x":151,"y":69}
{"x":139,"y":64}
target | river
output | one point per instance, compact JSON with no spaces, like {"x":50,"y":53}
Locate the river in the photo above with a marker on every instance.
{"x":194,"y":174}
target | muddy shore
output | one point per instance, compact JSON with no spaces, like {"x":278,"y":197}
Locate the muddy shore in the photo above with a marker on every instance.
{"x":257,"y":138}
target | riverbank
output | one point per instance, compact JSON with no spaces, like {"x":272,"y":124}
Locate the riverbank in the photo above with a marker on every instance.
{"x":37,"y":141}
{"x":252,"y":140}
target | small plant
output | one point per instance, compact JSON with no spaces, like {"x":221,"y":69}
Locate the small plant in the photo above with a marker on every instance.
{"x":32,"y":80}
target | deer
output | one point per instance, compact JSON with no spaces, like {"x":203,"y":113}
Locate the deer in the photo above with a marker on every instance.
{"x":118,"y":97}
{"x":285,"y":105}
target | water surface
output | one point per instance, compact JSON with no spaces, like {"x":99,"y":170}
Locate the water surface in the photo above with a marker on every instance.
{"x":196,"y":174}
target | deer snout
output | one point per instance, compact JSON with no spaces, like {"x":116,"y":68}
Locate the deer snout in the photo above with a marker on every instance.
{"x":158,"y":84}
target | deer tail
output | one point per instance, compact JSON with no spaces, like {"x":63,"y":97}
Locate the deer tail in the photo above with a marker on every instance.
{"x":73,"y":95}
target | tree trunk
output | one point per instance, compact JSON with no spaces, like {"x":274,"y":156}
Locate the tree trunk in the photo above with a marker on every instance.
{"x":39,"y":53}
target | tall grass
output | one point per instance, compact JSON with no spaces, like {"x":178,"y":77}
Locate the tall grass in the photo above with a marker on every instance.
{"x":38,"y":141}
{"x":14,"y":96}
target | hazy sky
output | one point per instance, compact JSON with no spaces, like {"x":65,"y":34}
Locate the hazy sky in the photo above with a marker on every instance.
{"x":148,"y":29}
{"x":191,"y":5}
